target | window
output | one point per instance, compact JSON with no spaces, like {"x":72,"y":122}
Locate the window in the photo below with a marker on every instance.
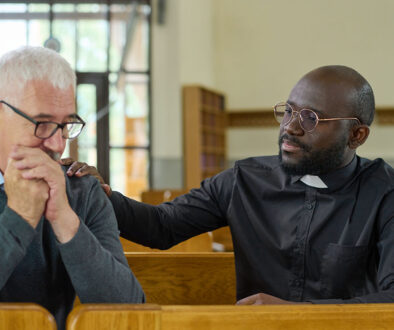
{"x":108,"y":45}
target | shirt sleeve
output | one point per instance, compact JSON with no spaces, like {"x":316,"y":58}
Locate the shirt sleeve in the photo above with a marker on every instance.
{"x":201,"y":210}
{"x":94,"y":257}
{"x":384,"y":247}
{"x":15,"y":236}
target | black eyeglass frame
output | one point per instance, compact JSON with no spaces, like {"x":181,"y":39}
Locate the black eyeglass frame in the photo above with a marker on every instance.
{"x":299,"y":116}
{"x":37,"y":123}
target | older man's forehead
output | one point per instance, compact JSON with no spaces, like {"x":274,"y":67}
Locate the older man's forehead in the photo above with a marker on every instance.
{"x":42,"y":100}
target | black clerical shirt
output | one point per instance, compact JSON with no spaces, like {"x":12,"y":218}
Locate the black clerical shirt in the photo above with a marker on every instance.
{"x":291,"y":240}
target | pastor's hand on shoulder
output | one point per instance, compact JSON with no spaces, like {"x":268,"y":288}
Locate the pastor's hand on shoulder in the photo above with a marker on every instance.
{"x":80,"y":169}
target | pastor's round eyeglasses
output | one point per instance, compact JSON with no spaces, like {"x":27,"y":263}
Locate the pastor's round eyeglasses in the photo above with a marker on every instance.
{"x":46,"y":129}
{"x":308,"y":119}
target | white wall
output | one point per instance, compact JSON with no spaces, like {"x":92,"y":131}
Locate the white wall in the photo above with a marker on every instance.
{"x":256,"y":50}
{"x":264,"y":46}
{"x":182,"y":54}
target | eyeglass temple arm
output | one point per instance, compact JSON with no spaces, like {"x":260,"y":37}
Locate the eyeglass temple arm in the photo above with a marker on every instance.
{"x":19,"y":112}
{"x":348,"y":118}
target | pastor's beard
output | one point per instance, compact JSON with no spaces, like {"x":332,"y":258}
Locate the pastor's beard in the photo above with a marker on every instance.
{"x":316,"y":162}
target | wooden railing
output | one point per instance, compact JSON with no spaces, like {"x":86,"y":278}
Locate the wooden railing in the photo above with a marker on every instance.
{"x":289,"y":317}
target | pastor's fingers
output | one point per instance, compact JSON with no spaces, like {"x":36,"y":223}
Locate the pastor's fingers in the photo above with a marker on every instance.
{"x":74,"y":168}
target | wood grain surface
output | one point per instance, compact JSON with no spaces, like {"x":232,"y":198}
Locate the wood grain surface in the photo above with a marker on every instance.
{"x":25,"y":316}
{"x":185,"y":278}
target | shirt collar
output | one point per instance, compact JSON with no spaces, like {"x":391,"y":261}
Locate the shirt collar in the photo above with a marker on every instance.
{"x":341,"y":176}
{"x":332,"y":180}
{"x":313,"y":181}
{"x":1,"y":179}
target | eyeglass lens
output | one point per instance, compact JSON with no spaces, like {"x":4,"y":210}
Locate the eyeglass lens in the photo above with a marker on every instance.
{"x":307,"y":118}
{"x":70,"y":130}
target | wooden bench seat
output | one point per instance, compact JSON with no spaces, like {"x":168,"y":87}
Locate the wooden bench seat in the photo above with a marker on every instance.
{"x":185,"y":278}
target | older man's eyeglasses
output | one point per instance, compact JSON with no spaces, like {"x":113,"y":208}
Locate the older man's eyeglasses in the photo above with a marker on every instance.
{"x":307,"y":118}
{"x":46,"y":129}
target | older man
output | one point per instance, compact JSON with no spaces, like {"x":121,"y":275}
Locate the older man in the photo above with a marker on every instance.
{"x":314,"y":224}
{"x":58,"y":235}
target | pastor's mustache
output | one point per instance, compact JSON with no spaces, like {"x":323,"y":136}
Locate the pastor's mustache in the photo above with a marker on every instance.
{"x":295,"y":141}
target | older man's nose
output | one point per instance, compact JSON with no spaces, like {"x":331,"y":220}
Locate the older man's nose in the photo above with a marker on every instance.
{"x":56,"y":142}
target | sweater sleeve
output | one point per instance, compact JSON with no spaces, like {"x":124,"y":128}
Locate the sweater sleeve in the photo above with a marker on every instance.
{"x":15,"y":236}
{"x":94,"y":257}
{"x":162,"y":226}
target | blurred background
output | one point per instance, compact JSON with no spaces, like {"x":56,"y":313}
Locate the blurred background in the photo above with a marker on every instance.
{"x":132,"y":59}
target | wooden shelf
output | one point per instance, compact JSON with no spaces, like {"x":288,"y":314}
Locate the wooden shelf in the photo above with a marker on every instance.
{"x":204,"y":133}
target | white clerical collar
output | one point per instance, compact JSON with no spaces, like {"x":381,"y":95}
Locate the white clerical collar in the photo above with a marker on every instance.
{"x":313,"y":181}
{"x":1,"y":179}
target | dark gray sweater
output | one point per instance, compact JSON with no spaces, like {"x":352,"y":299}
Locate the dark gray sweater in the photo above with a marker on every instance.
{"x":35,"y":267}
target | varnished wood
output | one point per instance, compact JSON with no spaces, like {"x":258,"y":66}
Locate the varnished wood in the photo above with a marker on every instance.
{"x":185,"y":278}
{"x":251,"y":118}
{"x":279,"y":317}
{"x":204,"y":134}
{"x":158,"y":196}
{"x":223,"y":237}
{"x":114,"y":317}
{"x":200,"y":243}
{"x":232,"y":317}
{"x":192,"y":137}
{"x":385,"y":116}
{"x":25,"y":316}
{"x":244,"y":118}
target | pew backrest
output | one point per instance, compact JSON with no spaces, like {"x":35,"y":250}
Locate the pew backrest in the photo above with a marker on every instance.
{"x":279,"y":317}
{"x":185,"y":278}
{"x":25,"y":316}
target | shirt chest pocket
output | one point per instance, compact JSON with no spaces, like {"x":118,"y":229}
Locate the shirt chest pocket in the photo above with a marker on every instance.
{"x":343,"y":271}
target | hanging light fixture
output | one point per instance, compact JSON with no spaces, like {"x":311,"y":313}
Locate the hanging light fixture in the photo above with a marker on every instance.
{"x":52,"y":42}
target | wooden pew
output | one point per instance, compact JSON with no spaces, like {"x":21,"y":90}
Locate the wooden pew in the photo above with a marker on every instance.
{"x":25,"y":316}
{"x":200,"y":243}
{"x":158,"y":196}
{"x":270,"y":317}
{"x":185,"y":278}
{"x":114,"y":317}
{"x":279,"y":317}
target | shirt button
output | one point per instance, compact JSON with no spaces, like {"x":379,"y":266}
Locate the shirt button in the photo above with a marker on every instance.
{"x":297,"y":282}
{"x":309,"y":206}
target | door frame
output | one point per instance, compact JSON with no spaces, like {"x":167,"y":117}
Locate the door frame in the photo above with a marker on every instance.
{"x":101,"y":82}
